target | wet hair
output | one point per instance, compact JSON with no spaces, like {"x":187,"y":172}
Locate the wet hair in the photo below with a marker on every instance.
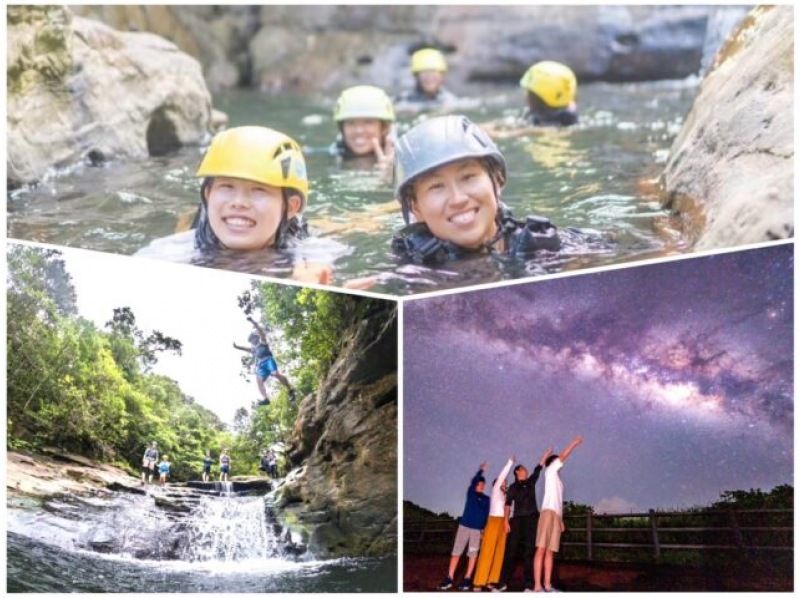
{"x":288,"y":229}
{"x":254,"y":336}
{"x":550,"y":459}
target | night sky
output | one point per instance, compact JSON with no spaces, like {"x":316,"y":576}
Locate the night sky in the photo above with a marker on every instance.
{"x":678,"y":375}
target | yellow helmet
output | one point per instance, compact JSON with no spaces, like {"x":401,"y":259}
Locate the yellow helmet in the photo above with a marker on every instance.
{"x":553,"y":82}
{"x":256,"y":154}
{"x":363,"y":101}
{"x":428,"y":59}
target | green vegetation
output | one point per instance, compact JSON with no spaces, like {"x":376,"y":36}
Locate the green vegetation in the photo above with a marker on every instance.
{"x":92,"y":391}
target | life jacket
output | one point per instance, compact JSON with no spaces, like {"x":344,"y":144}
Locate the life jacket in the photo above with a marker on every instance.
{"x":523,"y":239}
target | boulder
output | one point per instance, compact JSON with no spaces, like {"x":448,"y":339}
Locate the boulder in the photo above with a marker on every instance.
{"x":731,"y":167}
{"x":102,"y":93}
{"x":344,"y":498}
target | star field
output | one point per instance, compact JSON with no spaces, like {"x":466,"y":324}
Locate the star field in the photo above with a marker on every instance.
{"x":679,"y":375}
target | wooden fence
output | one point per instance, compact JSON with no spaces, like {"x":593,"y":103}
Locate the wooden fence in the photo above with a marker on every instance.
{"x":652,"y":533}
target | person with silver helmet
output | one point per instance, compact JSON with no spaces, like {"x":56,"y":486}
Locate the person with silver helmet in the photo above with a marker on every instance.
{"x":449,"y":176}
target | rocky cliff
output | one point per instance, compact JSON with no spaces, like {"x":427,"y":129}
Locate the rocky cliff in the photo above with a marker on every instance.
{"x":79,"y":90}
{"x":327,"y":47}
{"x":731,"y":168}
{"x":343,"y":495}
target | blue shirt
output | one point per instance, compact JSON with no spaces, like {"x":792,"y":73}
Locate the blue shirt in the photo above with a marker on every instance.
{"x":476,"y":507}
{"x":163,"y":467}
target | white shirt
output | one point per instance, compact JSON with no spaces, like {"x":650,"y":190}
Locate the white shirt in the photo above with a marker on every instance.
{"x":553,"y":487}
{"x":498,"y":502}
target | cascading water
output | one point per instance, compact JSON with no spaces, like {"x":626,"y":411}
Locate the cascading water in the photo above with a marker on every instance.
{"x":170,"y":540}
{"x":229,"y":528}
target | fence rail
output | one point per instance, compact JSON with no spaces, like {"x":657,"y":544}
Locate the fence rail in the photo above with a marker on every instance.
{"x":428,"y":534}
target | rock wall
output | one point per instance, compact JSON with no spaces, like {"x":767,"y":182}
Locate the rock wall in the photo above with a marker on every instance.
{"x":327,"y":47}
{"x":343,"y":498}
{"x":730,"y":170}
{"x":78,"y":89}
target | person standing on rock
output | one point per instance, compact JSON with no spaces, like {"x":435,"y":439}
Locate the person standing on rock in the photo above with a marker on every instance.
{"x":224,"y":465}
{"x":470,"y":527}
{"x":265,"y":364}
{"x":149,"y":461}
{"x":493,"y":543}
{"x":551,"y":523}
{"x":207,"y":462}
{"x":521,"y":527}
{"x":163,"y":471}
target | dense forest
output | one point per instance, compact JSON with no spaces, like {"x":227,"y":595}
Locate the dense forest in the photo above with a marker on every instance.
{"x":92,"y":391}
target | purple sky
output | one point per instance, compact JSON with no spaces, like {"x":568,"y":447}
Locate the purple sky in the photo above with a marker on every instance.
{"x":678,"y":375}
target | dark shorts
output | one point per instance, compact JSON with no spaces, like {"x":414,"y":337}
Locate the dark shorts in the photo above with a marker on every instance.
{"x":225,"y":469}
{"x":267,"y":367}
{"x":206,"y":469}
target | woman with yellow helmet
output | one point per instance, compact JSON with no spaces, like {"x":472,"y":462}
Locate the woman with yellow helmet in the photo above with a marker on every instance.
{"x":253,"y":193}
{"x":428,"y":67}
{"x":364,"y":115}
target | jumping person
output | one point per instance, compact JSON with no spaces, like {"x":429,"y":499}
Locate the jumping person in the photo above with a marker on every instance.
{"x":265,"y":364}
{"x":468,"y":535}
{"x":224,"y":465}
{"x":450,"y":175}
{"x":207,"y":462}
{"x":493,"y":543}
{"x":163,"y":471}
{"x":551,"y":523}
{"x":521,"y":528}
{"x":149,"y":462}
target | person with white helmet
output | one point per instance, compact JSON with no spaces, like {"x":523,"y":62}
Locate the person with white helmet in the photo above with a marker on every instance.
{"x":264,"y":361}
{"x":428,"y":66}
{"x":365,"y":117}
{"x":253,"y":192}
{"x":449,"y":176}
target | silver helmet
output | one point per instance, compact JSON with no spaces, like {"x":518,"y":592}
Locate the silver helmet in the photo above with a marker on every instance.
{"x":435,"y":142}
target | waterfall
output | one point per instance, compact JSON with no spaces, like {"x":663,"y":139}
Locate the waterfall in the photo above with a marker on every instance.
{"x":229,"y":528}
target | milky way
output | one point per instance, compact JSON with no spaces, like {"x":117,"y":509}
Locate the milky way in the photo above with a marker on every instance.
{"x":679,"y":375}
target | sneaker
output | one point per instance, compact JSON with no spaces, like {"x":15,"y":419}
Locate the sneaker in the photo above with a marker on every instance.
{"x":499,"y":587}
{"x":477,"y":588}
{"x":263,"y":402}
{"x":292,"y":394}
{"x":466,"y":585}
{"x":446,"y":584}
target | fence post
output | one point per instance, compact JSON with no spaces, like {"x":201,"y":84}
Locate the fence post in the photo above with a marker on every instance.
{"x":654,"y":530}
{"x":737,"y":533}
{"x":589,"y":514}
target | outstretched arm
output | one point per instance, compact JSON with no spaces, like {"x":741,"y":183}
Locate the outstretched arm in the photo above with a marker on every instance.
{"x":571,"y":447}
{"x":258,"y":326}
{"x":546,"y":454}
{"x":235,"y":346}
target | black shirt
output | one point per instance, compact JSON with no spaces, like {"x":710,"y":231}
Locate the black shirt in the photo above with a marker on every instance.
{"x":523,"y":495}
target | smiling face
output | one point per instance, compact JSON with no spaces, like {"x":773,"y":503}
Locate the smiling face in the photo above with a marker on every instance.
{"x":245,"y":215}
{"x":358,"y":134}
{"x":457,"y":201}
{"x":430,"y":82}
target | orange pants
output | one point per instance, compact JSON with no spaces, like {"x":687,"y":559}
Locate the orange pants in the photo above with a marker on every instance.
{"x":493,"y":549}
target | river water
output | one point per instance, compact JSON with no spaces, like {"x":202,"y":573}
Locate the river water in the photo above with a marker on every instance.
{"x":596,"y":177}
{"x":124,"y":543}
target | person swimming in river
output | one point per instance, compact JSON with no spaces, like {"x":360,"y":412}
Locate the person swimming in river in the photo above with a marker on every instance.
{"x":550,"y":89}
{"x":428,"y":66}
{"x":224,"y":465}
{"x":149,"y":460}
{"x":207,"y":463}
{"x":365,"y":117}
{"x":449,"y":176}
{"x":163,"y":471}
{"x":253,"y":192}
{"x":264,"y":361}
